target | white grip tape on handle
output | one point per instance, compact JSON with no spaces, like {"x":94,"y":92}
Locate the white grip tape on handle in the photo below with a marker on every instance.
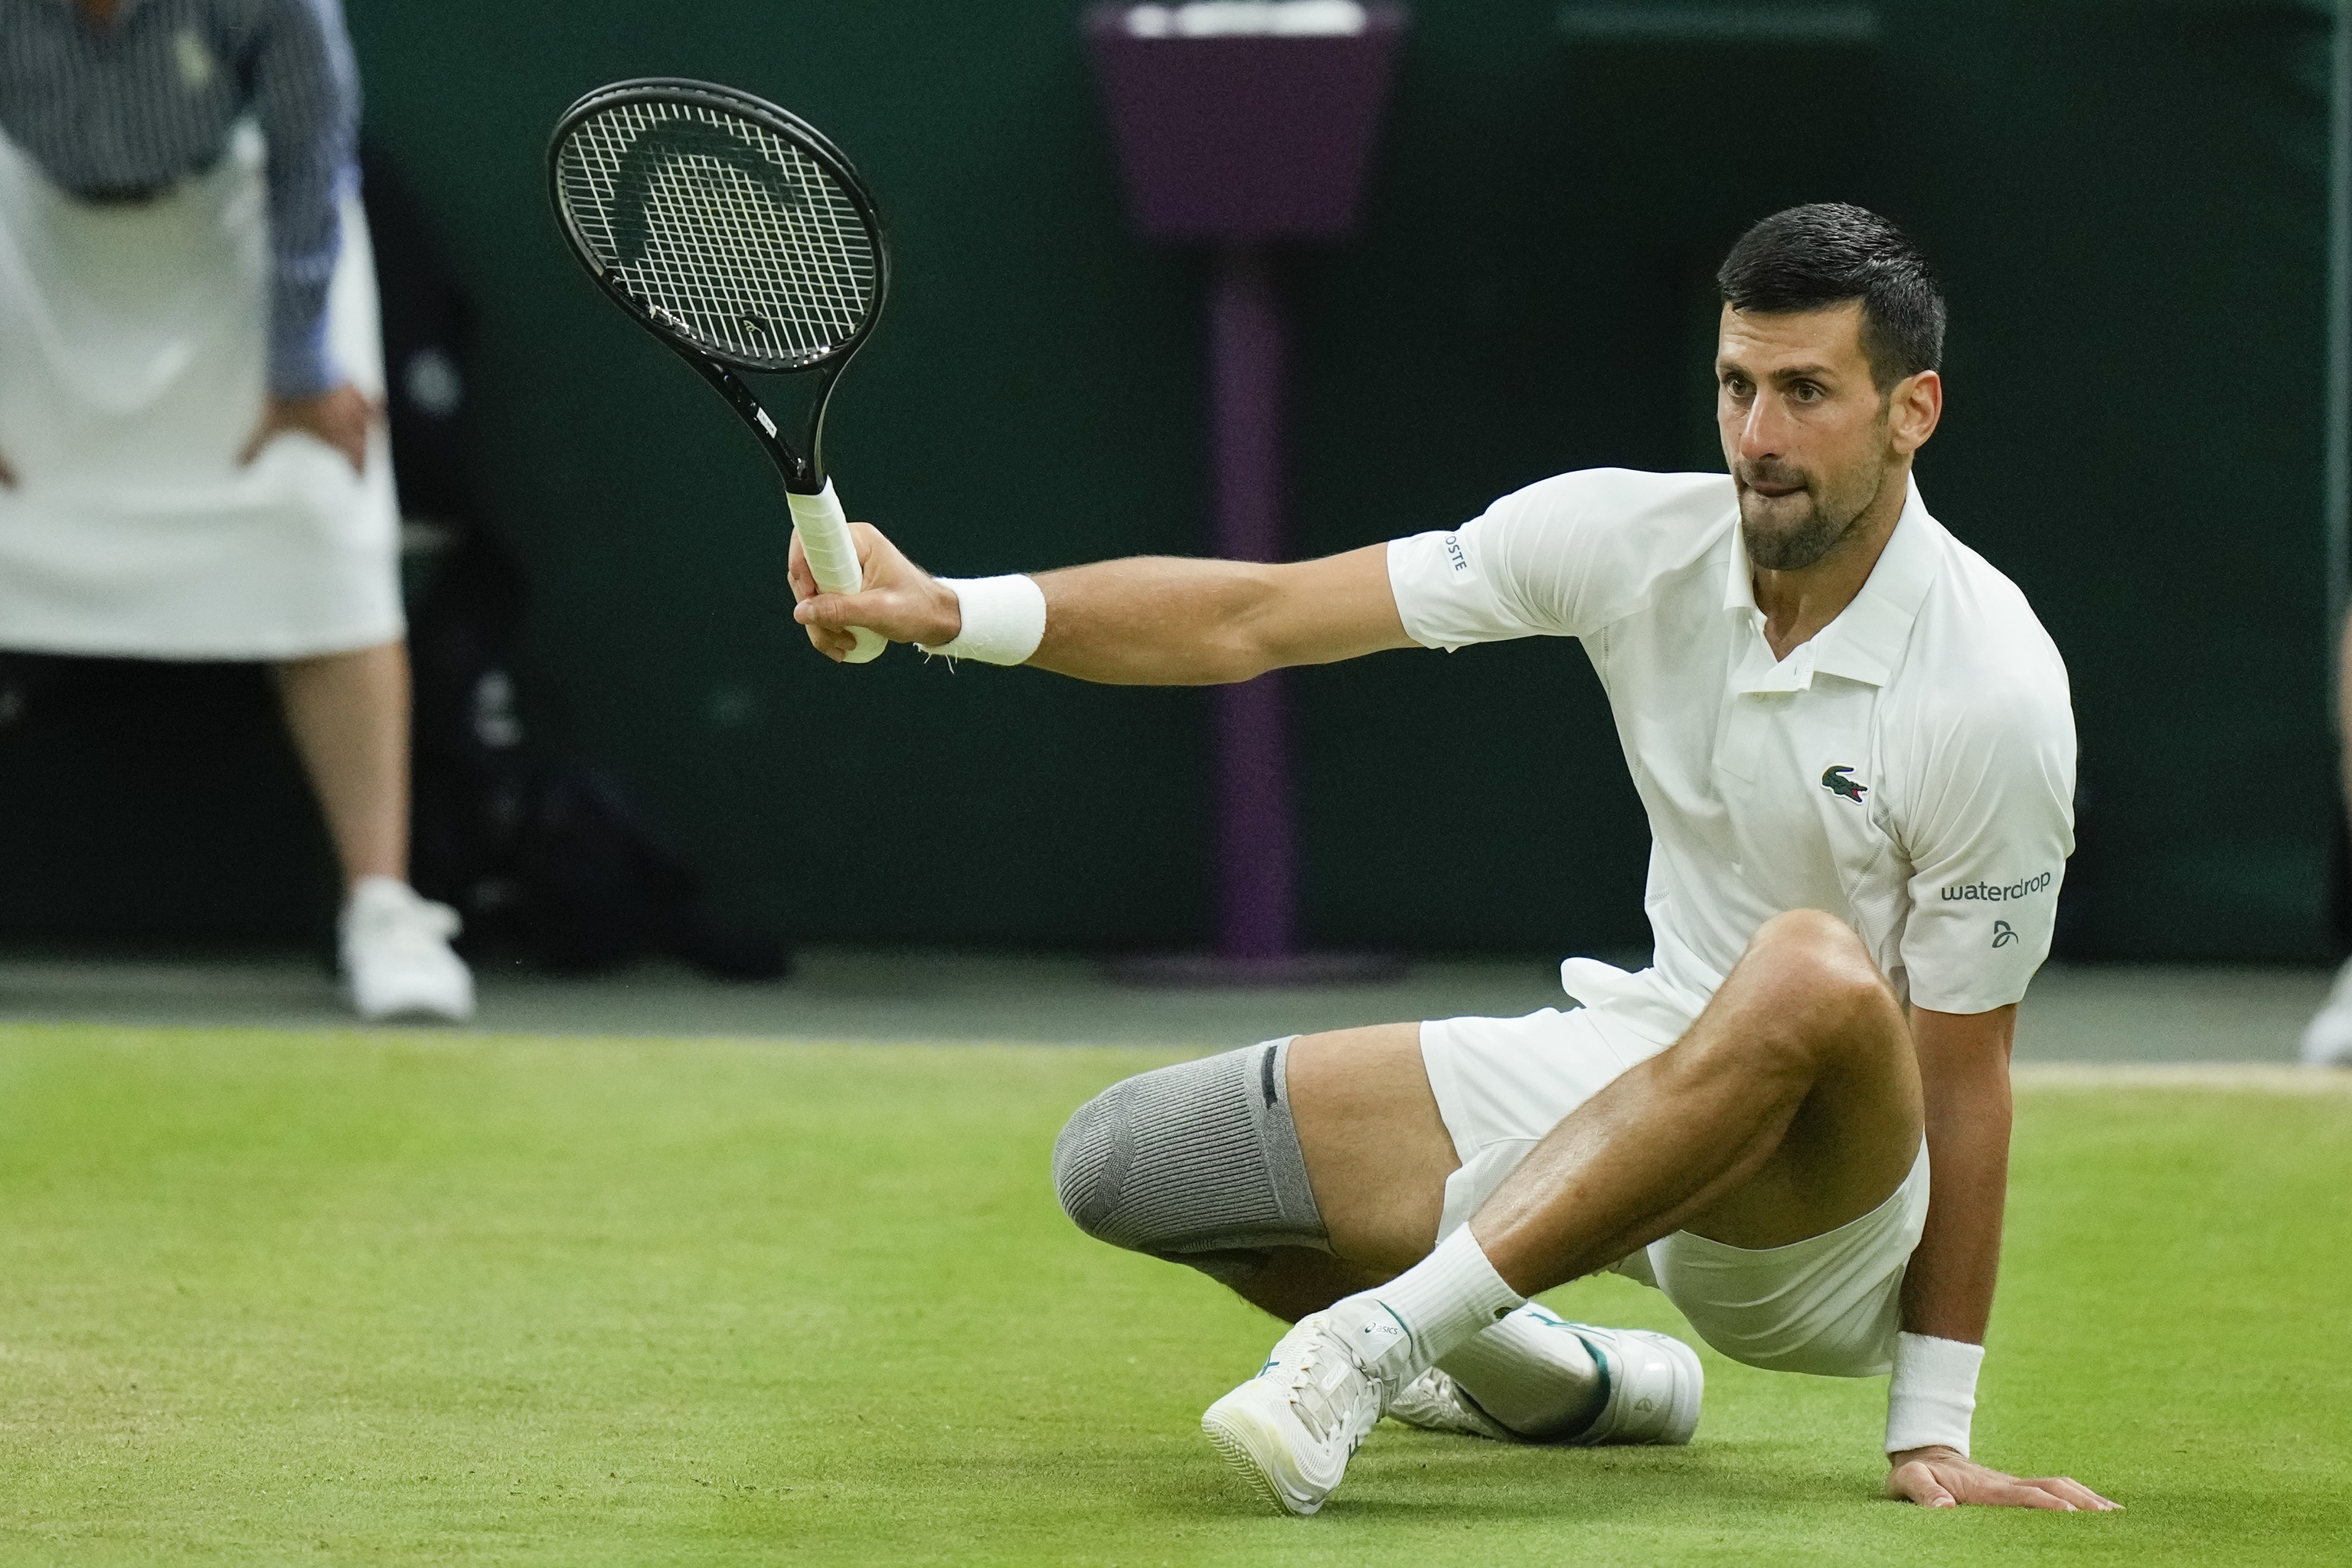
{"x":833,"y":557}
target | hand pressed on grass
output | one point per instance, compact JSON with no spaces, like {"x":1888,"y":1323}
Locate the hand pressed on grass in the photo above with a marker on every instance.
{"x":1944,"y":1478}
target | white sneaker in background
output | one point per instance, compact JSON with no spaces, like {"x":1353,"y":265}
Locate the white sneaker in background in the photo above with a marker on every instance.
{"x":2328,"y":1039}
{"x":1655,"y":1387}
{"x":397,"y":958}
{"x":1289,"y":1431}
{"x":1652,"y":1387}
{"x":1435,"y":1403}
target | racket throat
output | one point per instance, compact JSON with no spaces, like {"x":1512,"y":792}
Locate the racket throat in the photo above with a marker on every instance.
{"x":801,"y":475}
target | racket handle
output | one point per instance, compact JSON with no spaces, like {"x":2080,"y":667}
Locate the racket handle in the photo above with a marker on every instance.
{"x":831,"y":554}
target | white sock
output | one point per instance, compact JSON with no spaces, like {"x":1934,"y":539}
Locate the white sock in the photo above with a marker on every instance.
{"x":1538,"y":1380}
{"x":1399,"y":1329}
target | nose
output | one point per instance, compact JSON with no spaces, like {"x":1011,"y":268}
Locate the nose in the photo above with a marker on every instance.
{"x":1761,"y":430}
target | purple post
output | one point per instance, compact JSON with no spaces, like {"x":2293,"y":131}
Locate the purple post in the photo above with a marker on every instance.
{"x":1241,"y":141}
{"x":1258,"y":895}
{"x":1246,"y":137}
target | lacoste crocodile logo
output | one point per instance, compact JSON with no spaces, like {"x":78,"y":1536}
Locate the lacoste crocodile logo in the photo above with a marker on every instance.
{"x":1837,"y":783}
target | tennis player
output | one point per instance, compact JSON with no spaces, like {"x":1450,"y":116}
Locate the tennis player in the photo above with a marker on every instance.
{"x":191,"y":464}
{"x":1856,"y":749}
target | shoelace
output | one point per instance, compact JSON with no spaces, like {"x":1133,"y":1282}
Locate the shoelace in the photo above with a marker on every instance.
{"x":421,"y":920}
{"x":1324,"y":1413}
{"x":1316,"y":1413}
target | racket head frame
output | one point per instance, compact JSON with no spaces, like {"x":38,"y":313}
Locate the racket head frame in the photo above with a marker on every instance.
{"x":802,"y":471}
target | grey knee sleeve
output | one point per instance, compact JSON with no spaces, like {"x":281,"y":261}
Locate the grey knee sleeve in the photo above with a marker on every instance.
{"x":1198,"y":1163}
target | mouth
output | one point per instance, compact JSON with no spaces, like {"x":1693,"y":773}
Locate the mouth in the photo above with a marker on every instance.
{"x":1771,"y":490}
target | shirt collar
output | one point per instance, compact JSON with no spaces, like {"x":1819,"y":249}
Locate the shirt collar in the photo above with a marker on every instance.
{"x":1867,"y":636}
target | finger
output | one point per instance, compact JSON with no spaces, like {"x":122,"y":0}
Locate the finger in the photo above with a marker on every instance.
{"x":253,"y":447}
{"x":1915,"y":1482}
{"x":2073,"y":1491}
{"x":821,"y":609}
{"x":2008,"y":1493}
{"x":842,"y":611}
{"x":831,"y":641}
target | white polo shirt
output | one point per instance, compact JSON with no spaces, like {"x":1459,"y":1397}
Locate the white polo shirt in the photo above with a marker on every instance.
{"x":1910,"y":769}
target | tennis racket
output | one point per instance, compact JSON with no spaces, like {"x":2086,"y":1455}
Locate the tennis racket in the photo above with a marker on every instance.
{"x":739,"y":236}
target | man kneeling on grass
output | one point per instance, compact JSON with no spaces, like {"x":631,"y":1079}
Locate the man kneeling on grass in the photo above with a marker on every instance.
{"x":1856,"y":749}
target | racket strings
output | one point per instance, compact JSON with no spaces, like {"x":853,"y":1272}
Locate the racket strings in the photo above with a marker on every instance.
{"x":740,"y":237}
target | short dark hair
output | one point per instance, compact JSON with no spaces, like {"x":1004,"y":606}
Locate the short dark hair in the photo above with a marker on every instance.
{"x":1824,"y":253}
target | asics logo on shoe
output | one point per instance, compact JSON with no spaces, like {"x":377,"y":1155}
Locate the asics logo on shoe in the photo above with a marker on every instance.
{"x":1376,"y":1336}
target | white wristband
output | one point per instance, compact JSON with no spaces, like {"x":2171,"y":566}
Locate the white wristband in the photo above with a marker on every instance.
{"x":1003,"y":619}
{"x":1932,"y":1394}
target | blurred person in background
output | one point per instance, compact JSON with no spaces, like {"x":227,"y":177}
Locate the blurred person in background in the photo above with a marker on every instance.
{"x":193,"y":464}
{"x":2327,"y":1040}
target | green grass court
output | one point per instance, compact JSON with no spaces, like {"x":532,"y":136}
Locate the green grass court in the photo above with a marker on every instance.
{"x":281,"y":1297}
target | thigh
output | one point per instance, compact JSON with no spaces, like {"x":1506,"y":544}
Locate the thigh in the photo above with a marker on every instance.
{"x":1376,"y":1149}
{"x":1504,"y":1085}
{"x":1406,"y":1128}
{"x":1851,"y":1139}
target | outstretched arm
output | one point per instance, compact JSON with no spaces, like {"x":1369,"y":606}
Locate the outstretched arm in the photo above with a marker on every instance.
{"x":1948,"y":1290}
{"x":1144,"y":621}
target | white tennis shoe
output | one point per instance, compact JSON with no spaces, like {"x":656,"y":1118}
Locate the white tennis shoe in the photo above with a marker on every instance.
{"x":1652,"y":1387}
{"x":2328,"y":1039}
{"x":1435,"y":1403}
{"x":395,"y":955}
{"x":1289,"y":1431}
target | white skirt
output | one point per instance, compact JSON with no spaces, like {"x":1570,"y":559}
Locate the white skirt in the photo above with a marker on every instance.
{"x":133,"y":356}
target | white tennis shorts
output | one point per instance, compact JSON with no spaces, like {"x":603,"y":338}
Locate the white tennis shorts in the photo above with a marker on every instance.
{"x":1828,"y":1305}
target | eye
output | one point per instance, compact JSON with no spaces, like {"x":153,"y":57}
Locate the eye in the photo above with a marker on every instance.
{"x":1806,"y":392}
{"x":1736,"y":383}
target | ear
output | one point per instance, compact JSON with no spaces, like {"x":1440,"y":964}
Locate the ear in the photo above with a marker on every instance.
{"x":1913,"y":411}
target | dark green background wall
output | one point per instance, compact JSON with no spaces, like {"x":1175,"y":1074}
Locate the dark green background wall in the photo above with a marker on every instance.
{"x":2127,"y":201}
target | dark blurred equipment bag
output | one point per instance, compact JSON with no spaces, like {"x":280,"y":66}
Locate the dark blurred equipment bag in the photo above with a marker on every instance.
{"x":550,"y":862}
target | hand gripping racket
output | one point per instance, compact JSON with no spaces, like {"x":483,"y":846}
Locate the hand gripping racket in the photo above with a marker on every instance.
{"x":739,"y":236}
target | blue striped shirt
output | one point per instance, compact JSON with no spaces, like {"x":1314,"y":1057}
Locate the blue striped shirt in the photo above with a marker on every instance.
{"x":119,"y":111}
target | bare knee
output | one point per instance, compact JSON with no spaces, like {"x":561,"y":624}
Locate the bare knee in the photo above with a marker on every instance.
{"x":1815,"y":988}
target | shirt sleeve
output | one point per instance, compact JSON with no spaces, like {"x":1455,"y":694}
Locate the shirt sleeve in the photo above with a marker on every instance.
{"x":1988,"y":842}
{"x":305,"y":91}
{"x":1551,"y":559}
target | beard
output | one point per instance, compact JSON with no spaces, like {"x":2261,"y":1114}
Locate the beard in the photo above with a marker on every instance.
{"x":1790,"y":532}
